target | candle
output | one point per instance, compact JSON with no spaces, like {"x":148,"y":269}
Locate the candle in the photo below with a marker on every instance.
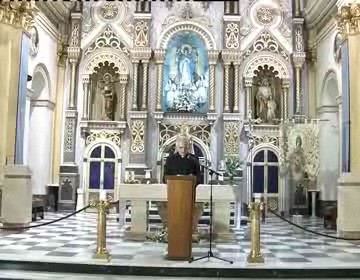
{"x":102,"y":195}
{"x":132,"y":176}
{"x":147,"y":174}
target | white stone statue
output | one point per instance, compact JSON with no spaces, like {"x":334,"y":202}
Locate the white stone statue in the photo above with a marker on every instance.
{"x":262,"y":97}
{"x":108,"y":94}
{"x":34,"y":41}
{"x":271,"y":109}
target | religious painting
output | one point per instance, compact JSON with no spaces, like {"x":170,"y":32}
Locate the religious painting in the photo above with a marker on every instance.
{"x":186,"y":74}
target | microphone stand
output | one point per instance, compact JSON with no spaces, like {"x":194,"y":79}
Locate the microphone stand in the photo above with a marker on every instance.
{"x":210,"y":253}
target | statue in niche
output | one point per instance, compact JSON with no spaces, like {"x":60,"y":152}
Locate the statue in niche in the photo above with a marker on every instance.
{"x":263,"y":96}
{"x":108,"y":96}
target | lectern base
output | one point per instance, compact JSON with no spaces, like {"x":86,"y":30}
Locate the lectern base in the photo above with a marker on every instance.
{"x":172,"y":258}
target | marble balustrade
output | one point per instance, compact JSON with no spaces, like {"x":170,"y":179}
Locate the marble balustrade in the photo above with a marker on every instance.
{"x":139,"y":194}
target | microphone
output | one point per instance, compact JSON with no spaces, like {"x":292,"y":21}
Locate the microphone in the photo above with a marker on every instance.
{"x":211,"y":171}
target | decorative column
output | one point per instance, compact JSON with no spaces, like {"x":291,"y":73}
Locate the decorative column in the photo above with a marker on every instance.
{"x":348,"y":222}
{"x":339,"y":101}
{"x":213,"y":58}
{"x":16,"y":20}
{"x":62,"y":57}
{"x":86,"y":97}
{"x":248,"y":88}
{"x":236,"y":86}
{"x":159,"y":60}
{"x":298,"y":58}
{"x":226,"y":87}
{"x":144,"y":101}
{"x":69,"y":174}
{"x":284,"y":98}
{"x":123,"y":100}
{"x":134,"y":102}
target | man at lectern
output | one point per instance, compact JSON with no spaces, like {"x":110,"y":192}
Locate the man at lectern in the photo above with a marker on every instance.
{"x":182,"y":162}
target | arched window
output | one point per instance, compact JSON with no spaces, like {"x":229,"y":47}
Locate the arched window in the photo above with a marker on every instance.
{"x":265,"y":172}
{"x":102,"y":168}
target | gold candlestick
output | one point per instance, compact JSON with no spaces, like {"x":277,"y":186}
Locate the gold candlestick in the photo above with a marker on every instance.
{"x":255,"y":254}
{"x":102,"y":207}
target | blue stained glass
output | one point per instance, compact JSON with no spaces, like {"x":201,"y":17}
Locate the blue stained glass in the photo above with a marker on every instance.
{"x":273,"y":179}
{"x":94,"y":175}
{"x":272,"y":157}
{"x":96,"y":153}
{"x":259,"y":157}
{"x":258,"y":179}
{"x":109,"y":168}
{"x":109,"y":153}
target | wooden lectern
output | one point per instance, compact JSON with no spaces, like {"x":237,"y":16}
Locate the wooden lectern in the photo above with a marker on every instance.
{"x":181,"y":200}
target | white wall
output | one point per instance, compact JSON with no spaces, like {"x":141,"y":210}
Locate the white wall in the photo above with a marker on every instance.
{"x":39,"y":123}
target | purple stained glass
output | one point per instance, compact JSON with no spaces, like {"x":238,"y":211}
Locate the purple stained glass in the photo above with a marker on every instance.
{"x":258,"y":179}
{"x":109,"y":168}
{"x":109,"y":153}
{"x":96,"y":153}
{"x":273,"y":179}
{"x":94,"y":175}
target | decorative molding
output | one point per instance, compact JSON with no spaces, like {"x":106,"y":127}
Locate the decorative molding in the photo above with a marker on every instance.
{"x":90,"y":126}
{"x":112,"y":136}
{"x":107,"y":39}
{"x":44,"y":23}
{"x":43,"y":103}
{"x":177,"y":27}
{"x":101,"y":56}
{"x":269,"y":59}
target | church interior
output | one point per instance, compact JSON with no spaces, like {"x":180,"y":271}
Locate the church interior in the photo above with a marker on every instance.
{"x":95,"y":93}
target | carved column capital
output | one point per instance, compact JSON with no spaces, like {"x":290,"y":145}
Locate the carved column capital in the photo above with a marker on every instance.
{"x":298,"y":59}
{"x":142,"y":54}
{"x":20,"y":14}
{"x":124,"y":78}
{"x":85,"y":78}
{"x":248,"y":82}
{"x":230,"y":56}
{"x":285,"y":83}
{"x":213,"y":56}
{"x":74,"y":54}
{"x":62,"y":53}
{"x":348,"y":19}
{"x":159,"y":56}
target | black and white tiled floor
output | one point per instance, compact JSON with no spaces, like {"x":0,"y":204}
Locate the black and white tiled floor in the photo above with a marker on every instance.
{"x":74,"y":241}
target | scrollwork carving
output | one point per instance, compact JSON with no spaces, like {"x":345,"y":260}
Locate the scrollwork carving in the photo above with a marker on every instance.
{"x":69,"y":134}
{"x":168,"y":131}
{"x":75,"y":35}
{"x":232,"y":36}
{"x":265,"y":43}
{"x":107,"y":39}
{"x":231,"y":138}
{"x":137,"y":135}
{"x":104,"y":134}
{"x":141,"y":34}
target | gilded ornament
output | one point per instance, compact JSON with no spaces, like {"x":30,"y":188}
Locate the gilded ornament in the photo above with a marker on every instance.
{"x":231,"y":139}
{"x":348,"y":19}
{"x":18,"y":13}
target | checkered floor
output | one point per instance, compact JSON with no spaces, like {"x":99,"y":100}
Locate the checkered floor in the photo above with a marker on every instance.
{"x":74,"y":240}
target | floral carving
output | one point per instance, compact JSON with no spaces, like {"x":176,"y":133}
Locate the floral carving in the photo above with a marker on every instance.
{"x":232,"y":36}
